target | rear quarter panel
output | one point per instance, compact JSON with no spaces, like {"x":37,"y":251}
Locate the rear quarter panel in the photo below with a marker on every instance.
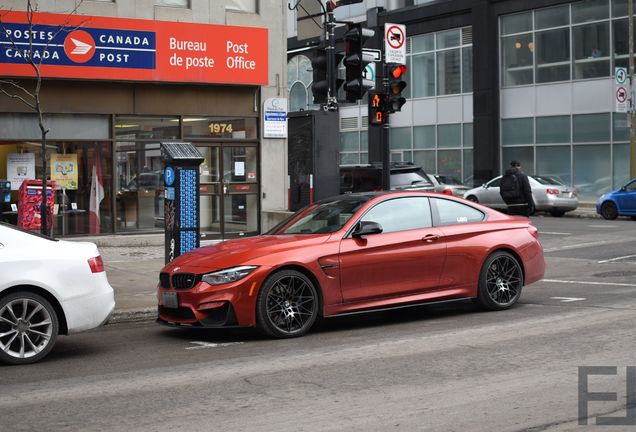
{"x":469,"y":245}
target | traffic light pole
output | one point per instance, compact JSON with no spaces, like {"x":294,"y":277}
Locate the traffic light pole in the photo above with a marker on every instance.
{"x":330,"y":48}
{"x":386,"y":135}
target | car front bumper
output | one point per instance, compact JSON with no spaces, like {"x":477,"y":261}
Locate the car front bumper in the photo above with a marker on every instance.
{"x":213,"y":306}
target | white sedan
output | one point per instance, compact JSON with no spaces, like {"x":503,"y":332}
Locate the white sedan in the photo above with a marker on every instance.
{"x":47,"y":287}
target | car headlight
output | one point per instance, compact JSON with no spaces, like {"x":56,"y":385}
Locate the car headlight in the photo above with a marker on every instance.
{"x":228,"y":275}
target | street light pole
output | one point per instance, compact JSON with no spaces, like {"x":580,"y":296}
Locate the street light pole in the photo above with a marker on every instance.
{"x":632,"y":131}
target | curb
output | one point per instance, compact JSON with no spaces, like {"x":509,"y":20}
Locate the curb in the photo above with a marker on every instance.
{"x":133,"y":315}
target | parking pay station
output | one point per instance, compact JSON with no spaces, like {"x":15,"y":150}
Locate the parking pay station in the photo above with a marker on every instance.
{"x":181,"y":178}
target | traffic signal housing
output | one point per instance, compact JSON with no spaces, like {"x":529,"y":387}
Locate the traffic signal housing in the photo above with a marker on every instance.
{"x":355,"y":61}
{"x":396,"y":86}
{"x":320,"y":84}
{"x":378,"y":114}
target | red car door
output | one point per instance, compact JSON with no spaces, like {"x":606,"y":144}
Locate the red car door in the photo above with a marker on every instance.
{"x":407,"y":257}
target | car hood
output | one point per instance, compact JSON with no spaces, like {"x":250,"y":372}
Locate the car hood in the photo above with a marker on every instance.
{"x":241,"y":251}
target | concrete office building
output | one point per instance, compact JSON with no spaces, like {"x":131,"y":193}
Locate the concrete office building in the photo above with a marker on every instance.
{"x":490,"y":81}
{"x":115,"y":118}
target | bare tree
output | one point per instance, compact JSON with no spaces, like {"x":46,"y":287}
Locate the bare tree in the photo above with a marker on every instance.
{"x":31,"y":96}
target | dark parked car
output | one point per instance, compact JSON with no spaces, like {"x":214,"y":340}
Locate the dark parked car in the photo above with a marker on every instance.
{"x":368,"y":178}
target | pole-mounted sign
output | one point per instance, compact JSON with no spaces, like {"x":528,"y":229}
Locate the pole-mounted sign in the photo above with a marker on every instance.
{"x":395,"y":43}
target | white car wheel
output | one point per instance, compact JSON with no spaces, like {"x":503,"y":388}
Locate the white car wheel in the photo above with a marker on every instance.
{"x":28,"y":328}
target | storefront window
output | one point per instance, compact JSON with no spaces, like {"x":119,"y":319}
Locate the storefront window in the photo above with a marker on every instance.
{"x":517,"y":131}
{"x":554,"y":161}
{"x":591,"y":170}
{"x":150,"y":128}
{"x":449,"y":135}
{"x":424,"y":137}
{"x":554,"y":129}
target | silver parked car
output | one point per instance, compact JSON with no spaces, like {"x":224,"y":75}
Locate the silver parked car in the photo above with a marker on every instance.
{"x":549,"y":195}
{"x":448,"y":184}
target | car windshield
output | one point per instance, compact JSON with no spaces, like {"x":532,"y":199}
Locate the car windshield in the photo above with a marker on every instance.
{"x":547,"y":180}
{"x":408,"y":178}
{"x":447,"y":179}
{"x":324,"y":216}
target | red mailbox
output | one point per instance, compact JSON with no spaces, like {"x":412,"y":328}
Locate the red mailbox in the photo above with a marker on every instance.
{"x":29,"y":201}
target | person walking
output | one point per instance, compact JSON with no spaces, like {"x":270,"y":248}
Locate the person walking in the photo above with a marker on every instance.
{"x":515,"y":190}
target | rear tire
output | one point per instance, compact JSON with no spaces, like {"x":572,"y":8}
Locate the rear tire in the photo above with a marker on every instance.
{"x":557,"y":213}
{"x":609,"y":211}
{"x":28,"y":328}
{"x":287,"y":305}
{"x":500,"y":282}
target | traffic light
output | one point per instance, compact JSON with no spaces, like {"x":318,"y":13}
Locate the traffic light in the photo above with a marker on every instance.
{"x":377,"y":108}
{"x":396,"y":85}
{"x":320,"y":84}
{"x":355,"y":61}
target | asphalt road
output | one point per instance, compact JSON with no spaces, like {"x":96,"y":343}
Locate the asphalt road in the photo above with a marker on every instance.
{"x":447,"y":367}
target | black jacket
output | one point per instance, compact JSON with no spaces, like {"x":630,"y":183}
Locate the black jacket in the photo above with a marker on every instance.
{"x":522,"y":178}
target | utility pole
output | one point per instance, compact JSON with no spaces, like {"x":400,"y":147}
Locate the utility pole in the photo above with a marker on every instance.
{"x":632,"y":131}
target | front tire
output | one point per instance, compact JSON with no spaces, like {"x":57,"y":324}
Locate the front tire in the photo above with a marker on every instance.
{"x":287,"y":305}
{"x":609,"y":211}
{"x":28,"y":328}
{"x":500,"y":282}
{"x":472,"y":198}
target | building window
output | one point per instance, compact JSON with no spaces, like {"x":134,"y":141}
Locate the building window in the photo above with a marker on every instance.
{"x":546,"y":42}
{"x":249,"y":6}
{"x":554,"y":129}
{"x":173,"y":3}
{"x":517,"y":131}
{"x":299,"y":80}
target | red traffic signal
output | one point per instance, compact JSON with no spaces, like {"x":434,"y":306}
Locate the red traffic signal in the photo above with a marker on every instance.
{"x":395,"y":73}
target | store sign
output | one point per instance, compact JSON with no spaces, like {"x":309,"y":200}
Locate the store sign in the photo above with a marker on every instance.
{"x":132,"y":49}
{"x":275,"y":118}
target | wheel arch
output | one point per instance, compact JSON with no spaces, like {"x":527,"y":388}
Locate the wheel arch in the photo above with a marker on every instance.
{"x":309,"y":274}
{"x":62,"y":325}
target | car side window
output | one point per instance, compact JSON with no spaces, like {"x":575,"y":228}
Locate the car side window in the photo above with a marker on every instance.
{"x":495,"y":182}
{"x":453,"y":213}
{"x":401,"y":214}
{"x":631,"y":187}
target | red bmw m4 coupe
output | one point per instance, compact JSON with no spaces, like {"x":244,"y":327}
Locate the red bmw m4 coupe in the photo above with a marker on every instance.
{"x":354,"y":253}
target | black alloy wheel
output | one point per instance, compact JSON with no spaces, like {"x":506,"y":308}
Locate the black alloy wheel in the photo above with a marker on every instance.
{"x":500,"y":281}
{"x":609,"y":211}
{"x":287,"y":305}
{"x":28,"y":328}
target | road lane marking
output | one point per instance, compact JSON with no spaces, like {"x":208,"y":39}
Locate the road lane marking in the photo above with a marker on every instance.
{"x":555,"y":233}
{"x":205,"y":345}
{"x":603,"y":226}
{"x":587,"y":282}
{"x":616,"y":259}
{"x":568,"y":299}
{"x":588,"y":244}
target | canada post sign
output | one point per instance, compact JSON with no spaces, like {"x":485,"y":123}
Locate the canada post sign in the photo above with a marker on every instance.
{"x":132,"y":50}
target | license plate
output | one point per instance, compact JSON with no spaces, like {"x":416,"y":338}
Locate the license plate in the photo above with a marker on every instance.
{"x":170,"y":300}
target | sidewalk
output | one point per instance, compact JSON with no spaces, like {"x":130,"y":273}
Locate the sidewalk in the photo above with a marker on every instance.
{"x":133,"y":263}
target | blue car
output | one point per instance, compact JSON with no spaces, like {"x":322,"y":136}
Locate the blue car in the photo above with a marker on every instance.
{"x":621,"y":202}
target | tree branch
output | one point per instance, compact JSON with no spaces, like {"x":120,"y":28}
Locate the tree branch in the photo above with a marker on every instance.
{"x":20,"y":98}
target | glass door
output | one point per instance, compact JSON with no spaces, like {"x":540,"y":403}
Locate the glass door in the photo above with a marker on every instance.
{"x":229,"y":202}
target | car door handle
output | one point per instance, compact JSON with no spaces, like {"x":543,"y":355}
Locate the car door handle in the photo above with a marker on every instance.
{"x":430,"y":238}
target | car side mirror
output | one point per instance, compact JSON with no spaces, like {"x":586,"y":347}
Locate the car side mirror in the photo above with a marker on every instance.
{"x":366,"y":228}
{"x":623,"y":189}
{"x":485,"y":186}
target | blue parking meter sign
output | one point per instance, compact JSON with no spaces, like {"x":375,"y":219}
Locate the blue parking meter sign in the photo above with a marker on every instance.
{"x":168,"y":176}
